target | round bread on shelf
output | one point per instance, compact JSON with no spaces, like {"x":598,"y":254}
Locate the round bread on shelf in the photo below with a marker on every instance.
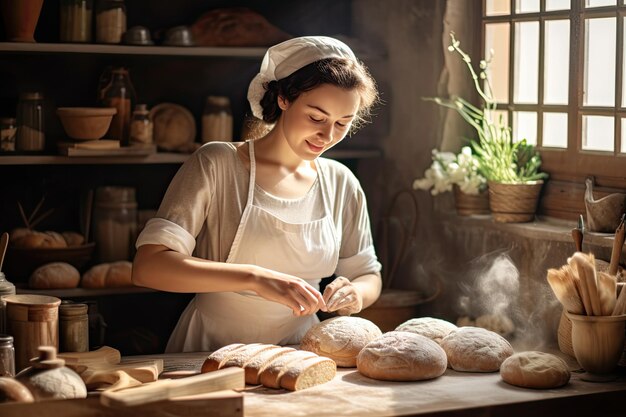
{"x":174,"y":126}
{"x":430,"y":327}
{"x":402,"y":356}
{"x":54,"y":275}
{"x":108,"y":275}
{"x":534,"y":369}
{"x":340,"y":338}
{"x":474,"y":349}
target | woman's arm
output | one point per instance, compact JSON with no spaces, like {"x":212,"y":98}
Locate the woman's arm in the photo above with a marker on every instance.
{"x":158,"y":267}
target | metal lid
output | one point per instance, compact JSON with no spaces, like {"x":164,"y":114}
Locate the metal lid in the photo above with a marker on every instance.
{"x":6,"y":287}
{"x":218,"y":100}
{"x":5,"y":339}
{"x":7,"y":120}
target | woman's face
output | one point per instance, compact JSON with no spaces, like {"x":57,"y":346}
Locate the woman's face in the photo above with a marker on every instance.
{"x":318,"y":119}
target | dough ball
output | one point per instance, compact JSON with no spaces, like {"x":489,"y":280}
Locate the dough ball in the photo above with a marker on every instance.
{"x":402,"y":356}
{"x":533,"y":369}
{"x":474,"y":349}
{"x":340,"y":338}
{"x":432,"y":328}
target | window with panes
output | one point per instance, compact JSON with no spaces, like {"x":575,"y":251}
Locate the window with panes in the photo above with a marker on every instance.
{"x":557,"y":74}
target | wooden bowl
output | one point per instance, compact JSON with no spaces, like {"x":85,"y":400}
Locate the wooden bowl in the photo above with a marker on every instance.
{"x":20,"y":262}
{"x":86,"y":123}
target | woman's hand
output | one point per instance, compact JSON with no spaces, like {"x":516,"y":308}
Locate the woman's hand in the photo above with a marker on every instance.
{"x":302,"y":298}
{"x":342,"y":296}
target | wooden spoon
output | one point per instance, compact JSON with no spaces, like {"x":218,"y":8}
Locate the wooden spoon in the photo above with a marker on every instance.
{"x":4,"y":242}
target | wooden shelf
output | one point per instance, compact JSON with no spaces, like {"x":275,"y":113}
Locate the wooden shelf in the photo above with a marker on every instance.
{"x":157,"y":158}
{"x":76,"y":48}
{"x":83,"y":292}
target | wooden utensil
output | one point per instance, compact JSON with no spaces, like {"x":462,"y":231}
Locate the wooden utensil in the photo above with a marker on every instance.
{"x":4,"y":242}
{"x":618,"y":242}
{"x":96,"y":358}
{"x":620,"y":304}
{"x":224,"y":379}
{"x":578,"y":234}
{"x":562,"y":283}
{"x":607,"y":288}
{"x":577,"y":261}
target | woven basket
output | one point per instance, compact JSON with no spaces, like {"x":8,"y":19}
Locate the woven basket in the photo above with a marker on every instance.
{"x":514,"y":203}
{"x":564,"y":335}
{"x":470,"y":204}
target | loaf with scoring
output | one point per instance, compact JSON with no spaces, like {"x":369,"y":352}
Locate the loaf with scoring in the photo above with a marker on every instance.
{"x":108,"y":275}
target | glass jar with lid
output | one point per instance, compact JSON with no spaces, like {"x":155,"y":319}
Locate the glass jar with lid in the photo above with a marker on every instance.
{"x":217,"y":120}
{"x":118,"y":92}
{"x":75,"y":17}
{"x":30,"y":122}
{"x":141,"y":126}
{"x":110,"y":21}
{"x":7,"y":356}
{"x":115,"y":223}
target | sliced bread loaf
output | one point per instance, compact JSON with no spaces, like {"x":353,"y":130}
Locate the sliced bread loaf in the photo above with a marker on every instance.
{"x":242,"y":355}
{"x":308,"y":373}
{"x":215,"y":359}
{"x":273,"y":372}
{"x":257,"y":363}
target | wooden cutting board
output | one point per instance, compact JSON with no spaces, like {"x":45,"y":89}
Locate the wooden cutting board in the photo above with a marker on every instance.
{"x":107,"y":361}
{"x":167,"y":389}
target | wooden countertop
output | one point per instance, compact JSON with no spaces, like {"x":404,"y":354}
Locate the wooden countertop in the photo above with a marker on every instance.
{"x":453,"y":394}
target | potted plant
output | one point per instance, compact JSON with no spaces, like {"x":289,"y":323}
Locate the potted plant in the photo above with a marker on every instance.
{"x":458,"y":173}
{"x":512,"y":169}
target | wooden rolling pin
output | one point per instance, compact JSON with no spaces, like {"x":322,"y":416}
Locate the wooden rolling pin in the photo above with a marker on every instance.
{"x":165,"y":389}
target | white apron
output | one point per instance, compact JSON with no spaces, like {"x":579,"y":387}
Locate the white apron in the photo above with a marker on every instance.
{"x":306,"y":250}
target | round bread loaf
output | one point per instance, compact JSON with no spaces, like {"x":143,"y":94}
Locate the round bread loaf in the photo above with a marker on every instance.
{"x":108,"y":275}
{"x":73,"y":238}
{"x":432,"y":328}
{"x":533,"y":369}
{"x":340,"y":338}
{"x":402,"y":356}
{"x":54,"y":275}
{"x":474,"y":349}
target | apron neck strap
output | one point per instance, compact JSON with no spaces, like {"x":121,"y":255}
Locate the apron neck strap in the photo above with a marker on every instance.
{"x":252,"y":172}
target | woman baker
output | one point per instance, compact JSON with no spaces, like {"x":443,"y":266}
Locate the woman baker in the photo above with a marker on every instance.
{"x":252,"y":227}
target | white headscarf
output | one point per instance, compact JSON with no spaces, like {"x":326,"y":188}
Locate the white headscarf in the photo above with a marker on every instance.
{"x":287,"y":57}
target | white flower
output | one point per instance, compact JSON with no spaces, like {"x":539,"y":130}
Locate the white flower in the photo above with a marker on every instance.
{"x":448,"y":169}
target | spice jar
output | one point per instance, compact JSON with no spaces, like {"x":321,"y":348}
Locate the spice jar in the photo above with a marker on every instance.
{"x":73,"y":328}
{"x":30,"y":126}
{"x":7,"y":355}
{"x":8,"y":130}
{"x":6,"y":288}
{"x":110,"y":21}
{"x":115,"y":223}
{"x":217,"y":120}
{"x":141,"y":126}
{"x":75,"y":20}
{"x":118,"y":92}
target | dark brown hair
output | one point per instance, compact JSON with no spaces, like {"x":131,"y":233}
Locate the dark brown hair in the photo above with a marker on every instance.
{"x":343,"y":73}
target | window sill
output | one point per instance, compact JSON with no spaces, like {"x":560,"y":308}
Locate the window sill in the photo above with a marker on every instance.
{"x":543,"y":228}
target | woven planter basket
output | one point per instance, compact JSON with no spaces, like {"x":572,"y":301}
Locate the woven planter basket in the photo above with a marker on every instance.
{"x":469,"y":204}
{"x":514,"y":203}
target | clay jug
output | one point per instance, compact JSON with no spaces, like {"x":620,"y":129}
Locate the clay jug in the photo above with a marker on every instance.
{"x":20,"y":19}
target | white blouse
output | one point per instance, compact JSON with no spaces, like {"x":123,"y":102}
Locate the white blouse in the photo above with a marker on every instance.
{"x":203,"y":205}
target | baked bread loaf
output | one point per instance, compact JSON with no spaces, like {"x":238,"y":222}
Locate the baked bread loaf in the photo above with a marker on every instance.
{"x":237,"y":26}
{"x":402,"y":356}
{"x":108,"y":275}
{"x":73,"y":238}
{"x":308,"y":373}
{"x":257,"y":364}
{"x":215,"y":359}
{"x":274,"y":371}
{"x":54,"y":275}
{"x":340,"y":338}
{"x":533,"y":369}
{"x":474,"y":349}
{"x":240,"y":356}
{"x":39,"y":240}
{"x":432,"y":328}
{"x":498,"y":323}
